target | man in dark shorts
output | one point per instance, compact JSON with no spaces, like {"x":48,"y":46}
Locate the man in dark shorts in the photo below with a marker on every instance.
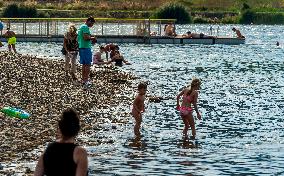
{"x":85,"y":44}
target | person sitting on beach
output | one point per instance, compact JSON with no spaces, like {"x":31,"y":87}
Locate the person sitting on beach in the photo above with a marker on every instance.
{"x":64,"y":157}
{"x":170,"y":30}
{"x":71,"y":47}
{"x":110,"y":48}
{"x":139,"y":107}
{"x":190,"y":96}
{"x":196,"y":35}
{"x":97,"y":58}
{"x":11,"y":37}
{"x":118,"y":59}
{"x":239,"y":34}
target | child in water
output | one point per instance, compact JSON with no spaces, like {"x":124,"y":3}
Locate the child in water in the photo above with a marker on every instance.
{"x":138,"y":107}
{"x":190,"y":96}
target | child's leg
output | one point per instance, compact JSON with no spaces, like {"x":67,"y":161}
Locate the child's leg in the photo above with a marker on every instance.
{"x":186,"y":124}
{"x":67,"y":60}
{"x":14,"y":47}
{"x":9,"y":47}
{"x":192,"y":125}
{"x":73,"y":66}
{"x":73,"y":63}
{"x":138,"y":120}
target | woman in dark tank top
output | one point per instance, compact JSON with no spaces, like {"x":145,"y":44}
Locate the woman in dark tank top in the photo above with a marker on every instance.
{"x":63,"y":157}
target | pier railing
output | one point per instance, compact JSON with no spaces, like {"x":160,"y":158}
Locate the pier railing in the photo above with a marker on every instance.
{"x":48,"y":27}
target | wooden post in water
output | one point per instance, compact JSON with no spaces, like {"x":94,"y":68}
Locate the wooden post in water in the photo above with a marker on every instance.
{"x":102,"y":28}
{"x":47,"y":28}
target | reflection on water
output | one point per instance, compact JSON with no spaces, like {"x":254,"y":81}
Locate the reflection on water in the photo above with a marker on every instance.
{"x":241,"y":101}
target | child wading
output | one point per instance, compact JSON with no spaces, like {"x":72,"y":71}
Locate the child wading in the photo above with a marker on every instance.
{"x":190,"y":96}
{"x":139,"y":108}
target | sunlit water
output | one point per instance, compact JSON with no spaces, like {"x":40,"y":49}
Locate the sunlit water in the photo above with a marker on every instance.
{"x":241,"y":101}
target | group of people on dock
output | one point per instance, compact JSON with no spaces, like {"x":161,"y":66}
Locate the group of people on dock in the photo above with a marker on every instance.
{"x":170,"y":30}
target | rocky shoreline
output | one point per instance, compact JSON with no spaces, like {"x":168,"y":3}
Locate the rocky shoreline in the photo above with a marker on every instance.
{"x":41,"y":87}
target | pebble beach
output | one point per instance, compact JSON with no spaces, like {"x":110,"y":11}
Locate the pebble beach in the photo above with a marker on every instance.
{"x":42,"y":88}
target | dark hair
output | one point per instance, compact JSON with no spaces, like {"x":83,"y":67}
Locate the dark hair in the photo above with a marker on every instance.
{"x":233,"y":29}
{"x":91,"y":19}
{"x":69,"y":123}
{"x":116,"y":47}
{"x":102,"y":47}
{"x":188,"y":32}
{"x":165,"y":27}
{"x":142,"y":86}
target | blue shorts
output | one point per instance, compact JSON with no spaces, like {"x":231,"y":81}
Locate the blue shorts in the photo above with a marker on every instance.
{"x":85,"y":56}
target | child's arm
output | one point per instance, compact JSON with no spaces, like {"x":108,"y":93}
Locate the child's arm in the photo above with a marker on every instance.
{"x":136,"y":103}
{"x":125,"y":61}
{"x":195,"y":106}
{"x":143,"y":105}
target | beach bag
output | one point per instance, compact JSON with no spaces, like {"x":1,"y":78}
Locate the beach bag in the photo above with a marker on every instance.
{"x":63,"y":51}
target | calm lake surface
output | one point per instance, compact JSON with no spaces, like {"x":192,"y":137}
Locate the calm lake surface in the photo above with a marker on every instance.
{"x":241,"y":101}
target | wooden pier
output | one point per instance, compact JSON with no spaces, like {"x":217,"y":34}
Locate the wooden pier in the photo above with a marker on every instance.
{"x":107,"y":30}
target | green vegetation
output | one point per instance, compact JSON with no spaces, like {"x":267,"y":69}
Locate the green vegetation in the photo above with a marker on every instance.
{"x":15,"y":11}
{"x":173,"y":11}
{"x":200,"y":11}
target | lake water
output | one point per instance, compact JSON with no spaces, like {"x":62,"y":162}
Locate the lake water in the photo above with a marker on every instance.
{"x":241,"y":101}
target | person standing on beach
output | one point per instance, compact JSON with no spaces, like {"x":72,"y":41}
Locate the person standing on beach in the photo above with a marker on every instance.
{"x":1,"y":29}
{"x":11,"y":37}
{"x":71,"y":47}
{"x":85,"y":43}
{"x":139,"y":107}
{"x":190,"y":96}
{"x":63,"y":157}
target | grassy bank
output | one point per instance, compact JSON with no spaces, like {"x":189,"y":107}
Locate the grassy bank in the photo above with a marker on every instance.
{"x":202,"y":11}
{"x":145,"y":5}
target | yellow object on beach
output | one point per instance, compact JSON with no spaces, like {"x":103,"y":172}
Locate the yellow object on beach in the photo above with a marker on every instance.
{"x":12,"y":41}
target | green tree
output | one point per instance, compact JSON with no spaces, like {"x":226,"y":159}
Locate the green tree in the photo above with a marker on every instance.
{"x":174,"y":11}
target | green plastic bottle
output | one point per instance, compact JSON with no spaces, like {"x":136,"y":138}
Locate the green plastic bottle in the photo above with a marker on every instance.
{"x":14,"y":112}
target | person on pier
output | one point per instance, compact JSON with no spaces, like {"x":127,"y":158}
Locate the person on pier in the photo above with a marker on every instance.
{"x":239,"y":34}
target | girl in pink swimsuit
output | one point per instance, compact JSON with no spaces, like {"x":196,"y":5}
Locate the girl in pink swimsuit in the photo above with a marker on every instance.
{"x":189,"y":97}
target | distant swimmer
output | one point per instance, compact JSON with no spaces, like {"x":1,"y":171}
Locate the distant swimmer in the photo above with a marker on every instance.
{"x":189,"y":97}
{"x":239,"y":34}
{"x":277,"y":44}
